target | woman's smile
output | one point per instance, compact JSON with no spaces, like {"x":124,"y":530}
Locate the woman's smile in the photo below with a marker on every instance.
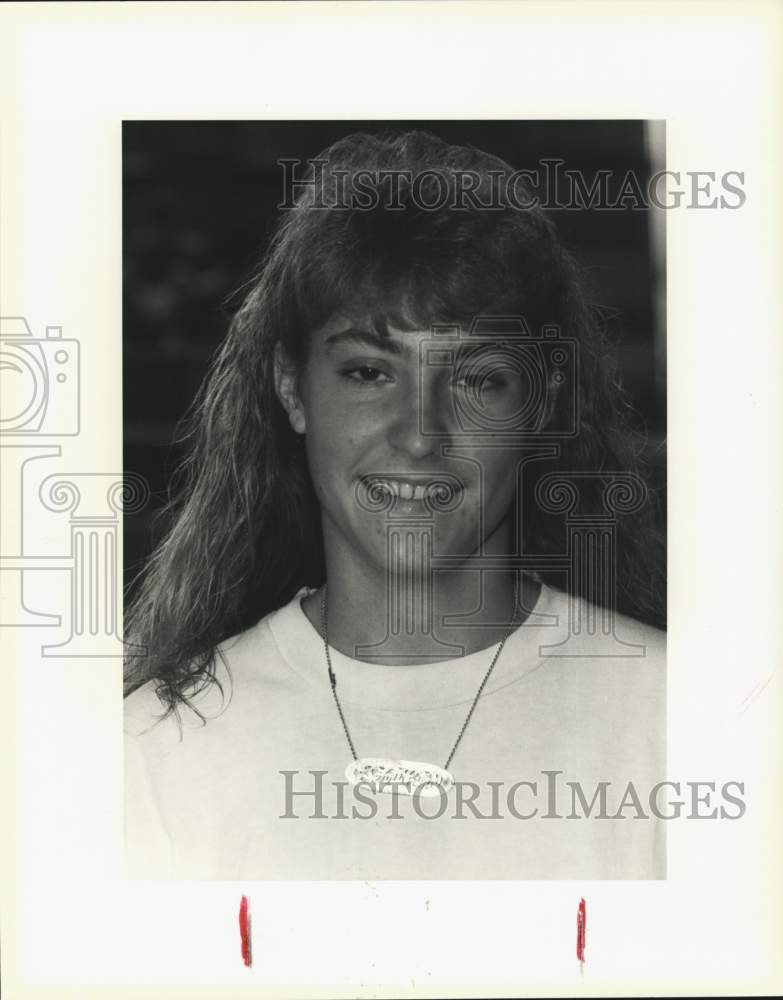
{"x":436,"y":491}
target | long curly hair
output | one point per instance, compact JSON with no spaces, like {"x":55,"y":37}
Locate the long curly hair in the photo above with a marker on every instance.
{"x":244,"y":525}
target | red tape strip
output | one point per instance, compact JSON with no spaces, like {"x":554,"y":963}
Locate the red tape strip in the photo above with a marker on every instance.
{"x":581,"y":930}
{"x":244,"y":931}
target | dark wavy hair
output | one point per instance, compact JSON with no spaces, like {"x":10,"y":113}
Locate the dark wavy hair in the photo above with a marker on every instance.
{"x":244,"y":525}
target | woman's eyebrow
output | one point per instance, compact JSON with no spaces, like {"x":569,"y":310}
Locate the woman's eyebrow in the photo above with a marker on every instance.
{"x":381,"y":342}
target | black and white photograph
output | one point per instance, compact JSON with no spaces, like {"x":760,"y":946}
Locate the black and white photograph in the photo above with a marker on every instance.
{"x":390,"y":491}
{"x":399,"y":609}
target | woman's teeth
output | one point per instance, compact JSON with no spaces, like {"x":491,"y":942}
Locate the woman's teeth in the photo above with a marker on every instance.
{"x":405,"y":491}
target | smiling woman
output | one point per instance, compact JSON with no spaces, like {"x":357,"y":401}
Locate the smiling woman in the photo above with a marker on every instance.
{"x":410,"y":550}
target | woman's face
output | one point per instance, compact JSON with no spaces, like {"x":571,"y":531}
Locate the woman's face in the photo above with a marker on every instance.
{"x":388,"y":417}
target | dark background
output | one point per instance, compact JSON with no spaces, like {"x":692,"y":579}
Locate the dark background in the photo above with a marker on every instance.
{"x":199,"y":203}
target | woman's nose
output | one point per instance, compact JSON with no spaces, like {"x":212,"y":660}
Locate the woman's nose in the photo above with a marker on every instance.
{"x":421,"y":421}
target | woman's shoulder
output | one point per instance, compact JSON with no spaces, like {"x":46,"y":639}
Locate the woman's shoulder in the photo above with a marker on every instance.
{"x":596,"y":628}
{"x":604,"y":653}
{"x":248,"y":659}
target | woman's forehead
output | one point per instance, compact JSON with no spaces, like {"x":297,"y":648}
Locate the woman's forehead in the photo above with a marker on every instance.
{"x":344,"y":332}
{"x":381,"y":324}
{"x":403,"y":327}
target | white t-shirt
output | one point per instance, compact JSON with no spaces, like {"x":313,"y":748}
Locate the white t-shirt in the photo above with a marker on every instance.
{"x":220,"y":799}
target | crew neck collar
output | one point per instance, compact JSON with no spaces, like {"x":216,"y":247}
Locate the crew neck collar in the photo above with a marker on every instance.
{"x":419,"y":686}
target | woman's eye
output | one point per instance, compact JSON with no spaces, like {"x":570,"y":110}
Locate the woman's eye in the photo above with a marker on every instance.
{"x":478,"y":384}
{"x":366,"y":375}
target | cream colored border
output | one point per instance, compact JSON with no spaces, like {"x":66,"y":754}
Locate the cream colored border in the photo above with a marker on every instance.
{"x":69,"y":74}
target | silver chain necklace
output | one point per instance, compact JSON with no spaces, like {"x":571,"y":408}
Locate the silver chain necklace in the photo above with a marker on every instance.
{"x":410,"y":777}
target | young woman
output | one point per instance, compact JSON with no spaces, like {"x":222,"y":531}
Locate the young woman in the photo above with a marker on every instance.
{"x":409,"y":557}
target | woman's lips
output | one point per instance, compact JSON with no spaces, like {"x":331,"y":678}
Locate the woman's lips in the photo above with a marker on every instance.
{"x":415,"y":490}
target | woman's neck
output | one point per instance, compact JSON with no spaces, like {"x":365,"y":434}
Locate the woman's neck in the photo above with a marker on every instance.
{"x":417,"y":618}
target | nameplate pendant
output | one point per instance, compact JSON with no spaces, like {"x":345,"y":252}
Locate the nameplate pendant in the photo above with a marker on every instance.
{"x":408,"y":777}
